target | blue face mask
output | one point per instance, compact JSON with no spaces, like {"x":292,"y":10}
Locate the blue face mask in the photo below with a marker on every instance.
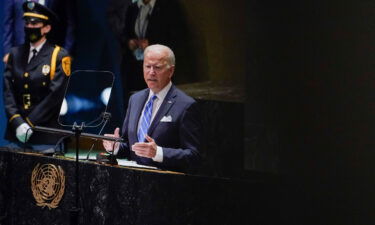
{"x":138,"y":53}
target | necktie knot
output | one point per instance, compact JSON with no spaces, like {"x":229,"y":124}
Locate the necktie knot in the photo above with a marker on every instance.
{"x":153,"y":98}
{"x":34,"y":52}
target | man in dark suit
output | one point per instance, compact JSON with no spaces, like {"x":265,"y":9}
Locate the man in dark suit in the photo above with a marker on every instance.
{"x":14,"y":24}
{"x":35,"y":79}
{"x":162,"y":126}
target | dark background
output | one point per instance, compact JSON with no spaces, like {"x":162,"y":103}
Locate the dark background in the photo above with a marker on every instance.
{"x":313,"y":61}
{"x":306,"y":113}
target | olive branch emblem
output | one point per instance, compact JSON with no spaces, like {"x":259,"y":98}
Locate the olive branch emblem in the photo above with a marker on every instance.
{"x":47,"y":185}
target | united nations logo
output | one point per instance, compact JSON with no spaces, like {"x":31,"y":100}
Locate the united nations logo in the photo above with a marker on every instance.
{"x":48,"y":185}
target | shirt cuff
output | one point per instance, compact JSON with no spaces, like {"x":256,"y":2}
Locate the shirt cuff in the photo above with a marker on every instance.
{"x":116,"y":148}
{"x":159,"y":155}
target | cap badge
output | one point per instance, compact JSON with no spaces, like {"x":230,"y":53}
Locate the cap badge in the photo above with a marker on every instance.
{"x":31,"y":5}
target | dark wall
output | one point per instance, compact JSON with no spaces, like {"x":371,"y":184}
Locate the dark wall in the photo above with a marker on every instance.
{"x":219,"y":38}
{"x":314,"y":66}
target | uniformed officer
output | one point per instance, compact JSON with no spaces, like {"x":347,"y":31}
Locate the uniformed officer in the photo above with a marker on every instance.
{"x":35,"y":79}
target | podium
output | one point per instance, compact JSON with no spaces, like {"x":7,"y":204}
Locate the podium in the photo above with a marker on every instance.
{"x":114,"y":195}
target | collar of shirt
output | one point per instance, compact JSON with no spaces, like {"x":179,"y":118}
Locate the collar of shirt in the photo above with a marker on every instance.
{"x":37,"y":47}
{"x":157,"y":103}
{"x":162,"y":93}
{"x":151,"y":3}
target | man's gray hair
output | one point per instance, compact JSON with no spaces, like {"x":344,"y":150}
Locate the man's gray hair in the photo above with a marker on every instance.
{"x":171,"y":60}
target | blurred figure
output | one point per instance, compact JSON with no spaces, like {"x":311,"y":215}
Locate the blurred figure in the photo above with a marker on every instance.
{"x":35,"y":79}
{"x":147,"y":22}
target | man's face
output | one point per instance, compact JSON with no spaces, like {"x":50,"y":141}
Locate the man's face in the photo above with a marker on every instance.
{"x":156,"y":72}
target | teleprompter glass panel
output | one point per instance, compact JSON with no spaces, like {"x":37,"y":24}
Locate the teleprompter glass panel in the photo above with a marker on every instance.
{"x":86,"y":98}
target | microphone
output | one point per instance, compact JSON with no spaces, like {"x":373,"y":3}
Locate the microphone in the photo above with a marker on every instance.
{"x":59,"y":144}
{"x":106,"y":117}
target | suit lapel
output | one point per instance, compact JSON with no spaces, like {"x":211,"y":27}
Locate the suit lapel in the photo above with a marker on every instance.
{"x":39,"y":57}
{"x":164,"y":108}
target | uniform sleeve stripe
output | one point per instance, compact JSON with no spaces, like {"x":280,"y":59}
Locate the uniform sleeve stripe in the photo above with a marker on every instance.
{"x":13,"y":117}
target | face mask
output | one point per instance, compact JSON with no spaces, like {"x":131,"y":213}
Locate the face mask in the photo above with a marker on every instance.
{"x":33,"y":34}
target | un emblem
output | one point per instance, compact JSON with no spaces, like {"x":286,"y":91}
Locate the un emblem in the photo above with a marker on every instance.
{"x":47,"y":185}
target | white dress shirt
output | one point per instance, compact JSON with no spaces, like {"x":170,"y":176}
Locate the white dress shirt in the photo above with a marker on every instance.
{"x":37,"y":50}
{"x":142,"y":20}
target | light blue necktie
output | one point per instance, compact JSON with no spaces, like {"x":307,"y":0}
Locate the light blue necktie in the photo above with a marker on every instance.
{"x":146,"y":119}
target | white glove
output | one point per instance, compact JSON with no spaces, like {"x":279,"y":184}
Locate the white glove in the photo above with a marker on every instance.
{"x":21,"y":132}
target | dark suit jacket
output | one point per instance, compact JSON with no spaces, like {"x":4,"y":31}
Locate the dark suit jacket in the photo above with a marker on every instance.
{"x":39,"y":102}
{"x":14,"y":34}
{"x":180,"y":138}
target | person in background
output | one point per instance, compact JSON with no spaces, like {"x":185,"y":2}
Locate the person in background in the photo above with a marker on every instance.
{"x":162,"y":127}
{"x":35,"y":79}
{"x":147,"y":22}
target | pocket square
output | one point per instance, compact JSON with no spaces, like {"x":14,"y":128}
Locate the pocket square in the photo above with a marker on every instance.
{"x":166,"y":119}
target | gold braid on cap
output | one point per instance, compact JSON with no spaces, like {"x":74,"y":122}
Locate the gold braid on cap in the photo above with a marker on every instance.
{"x":36,"y":15}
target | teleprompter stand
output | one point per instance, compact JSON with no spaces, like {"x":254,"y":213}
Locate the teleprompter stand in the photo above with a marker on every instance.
{"x":77,"y":132}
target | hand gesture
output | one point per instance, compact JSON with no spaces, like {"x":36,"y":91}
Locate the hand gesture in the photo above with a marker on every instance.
{"x":145,"y":149}
{"x":111,"y":146}
{"x":143,"y":43}
{"x":132,"y":44}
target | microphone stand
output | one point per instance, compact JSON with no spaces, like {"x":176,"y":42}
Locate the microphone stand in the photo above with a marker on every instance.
{"x":106,"y":117}
{"x":76,"y":209}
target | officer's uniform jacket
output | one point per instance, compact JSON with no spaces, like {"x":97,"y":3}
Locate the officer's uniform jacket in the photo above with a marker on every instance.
{"x":33,"y":92}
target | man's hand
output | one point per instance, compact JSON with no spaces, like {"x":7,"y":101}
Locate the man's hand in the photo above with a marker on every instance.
{"x":5,"y":58}
{"x":111,"y":145}
{"x":143,"y":43}
{"x":145,"y":149}
{"x":24,"y":132}
{"x":132,"y":44}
